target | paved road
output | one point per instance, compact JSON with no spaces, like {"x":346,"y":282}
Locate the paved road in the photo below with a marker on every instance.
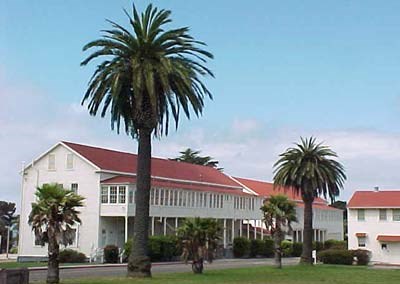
{"x":117,"y":271}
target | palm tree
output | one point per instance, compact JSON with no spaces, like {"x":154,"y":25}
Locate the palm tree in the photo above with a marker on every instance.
{"x":279,"y":213}
{"x":199,"y":238}
{"x":53,"y":219}
{"x":193,"y":157}
{"x":148,"y":75}
{"x":310,"y":170}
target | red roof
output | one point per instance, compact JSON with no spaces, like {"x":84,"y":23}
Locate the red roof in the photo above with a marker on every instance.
{"x":267,"y":189}
{"x":384,"y":238}
{"x":176,"y":184}
{"x":116,"y":161}
{"x":361,"y":235}
{"x":375,"y":199}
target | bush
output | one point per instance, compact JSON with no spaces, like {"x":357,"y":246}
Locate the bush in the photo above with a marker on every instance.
{"x":127,"y":249}
{"x":14,"y":250}
{"x":334,"y":244}
{"x":111,"y":253}
{"x":363,"y":256}
{"x":318,"y":246}
{"x":268,"y":248}
{"x":297,"y":249}
{"x":241,"y":247}
{"x":287,"y":248}
{"x":163,"y":248}
{"x":71,"y":256}
{"x":336,"y":256}
{"x":256,"y":248}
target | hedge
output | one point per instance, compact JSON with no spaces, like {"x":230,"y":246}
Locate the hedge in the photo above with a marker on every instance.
{"x":336,"y":256}
{"x":71,"y":256}
{"x":256,"y":248}
{"x":268,"y":247}
{"x":297,"y":249}
{"x":334,"y":244}
{"x":111,"y":253}
{"x":287,"y":248}
{"x":363,"y":256}
{"x":241,"y":247}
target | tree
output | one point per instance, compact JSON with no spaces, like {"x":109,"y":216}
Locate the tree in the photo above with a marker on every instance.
{"x":53,"y":219}
{"x":199,"y":238}
{"x":279,"y":212}
{"x":7,"y":220}
{"x":310,"y":170}
{"x":193,"y":157}
{"x":148,"y":75}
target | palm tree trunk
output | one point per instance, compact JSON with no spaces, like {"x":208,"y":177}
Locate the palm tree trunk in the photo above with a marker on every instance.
{"x":139,"y":262}
{"x":277,"y":251}
{"x":53,"y":276}
{"x":306,"y":255}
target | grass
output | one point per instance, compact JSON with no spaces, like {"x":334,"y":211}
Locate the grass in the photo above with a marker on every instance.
{"x":326,"y":274}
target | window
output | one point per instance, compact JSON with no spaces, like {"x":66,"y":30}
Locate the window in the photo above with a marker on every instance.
{"x":52,"y":162}
{"x":74,"y":187}
{"x":183,"y":193}
{"x":396,"y":214}
{"x":361,"y":241}
{"x":361,"y":215}
{"x":382,"y":215}
{"x":113,"y":194}
{"x":175,"y":198}
{"x":179,"y":198}
{"x":70,"y":161}
{"x":104,"y":194}
{"x":157,"y":196}
{"x":151,"y":196}
{"x":161,"y":196}
{"x":121,"y":194}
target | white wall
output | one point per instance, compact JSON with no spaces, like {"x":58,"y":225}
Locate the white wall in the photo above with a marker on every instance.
{"x":373,"y":227}
{"x":88,"y":182}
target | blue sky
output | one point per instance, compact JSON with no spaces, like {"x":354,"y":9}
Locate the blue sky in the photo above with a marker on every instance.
{"x":283,"y":69}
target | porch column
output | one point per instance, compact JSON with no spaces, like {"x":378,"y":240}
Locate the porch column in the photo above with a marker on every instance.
{"x":262,"y":230}
{"x":152,"y":226}
{"x":176,"y":226}
{"x":241,"y":228}
{"x":255,"y":229}
{"x":165,"y":226}
{"x":248,"y":229}
{"x":224,"y":233}
{"x":126,"y":229}
{"x":233,"y":229}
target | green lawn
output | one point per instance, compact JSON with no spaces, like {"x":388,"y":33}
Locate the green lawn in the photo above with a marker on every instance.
{"x":289,"y":275}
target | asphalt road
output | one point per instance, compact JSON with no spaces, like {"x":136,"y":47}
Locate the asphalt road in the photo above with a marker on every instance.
{"x":118,"y":271}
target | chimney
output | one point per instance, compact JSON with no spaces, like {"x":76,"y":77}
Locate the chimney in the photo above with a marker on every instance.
{"x":376,"y":188}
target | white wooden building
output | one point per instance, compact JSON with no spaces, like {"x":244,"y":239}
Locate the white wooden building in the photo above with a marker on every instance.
{"x":374,"y":224}
{"x":107,"y":178}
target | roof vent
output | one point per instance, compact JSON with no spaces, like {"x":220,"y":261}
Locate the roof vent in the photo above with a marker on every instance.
{"x":376,"y":188}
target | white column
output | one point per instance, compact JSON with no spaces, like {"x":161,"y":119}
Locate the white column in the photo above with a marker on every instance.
{"x":241,"y":228}
{"x":165,"y":226}
{"x":255,"y":229}
{"x":262,"y":230}
{"x":233,"y":229}
{"x":152,"y":226}
{"x":176,"y":225}
{"x":248,"y":229}
{"x":224,"y":233}
{"x":126,"y":229}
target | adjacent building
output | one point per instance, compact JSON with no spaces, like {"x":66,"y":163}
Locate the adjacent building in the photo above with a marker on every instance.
{"x":374,"y":224}
{"x":107,"y":179}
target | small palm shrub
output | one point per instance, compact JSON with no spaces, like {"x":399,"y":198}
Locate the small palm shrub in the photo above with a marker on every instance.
{"x":111,"y":253}
{"x":336,"y":256}
{"x":71,"y":256}
{"x":287,"y":248}
{"x":241,"y":247}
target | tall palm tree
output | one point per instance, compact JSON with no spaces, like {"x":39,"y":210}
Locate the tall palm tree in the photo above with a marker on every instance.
{"x":193,"y":157}
{"x":148,"y":75}
{"x":199,"y":238}
{"x":279,"y":213}
{"x":53,"y":219}
{"x":310,"y":170}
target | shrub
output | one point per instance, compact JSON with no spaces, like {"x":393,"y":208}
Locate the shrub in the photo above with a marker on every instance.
{"x":71,"y":256}
{"x":163,"y":248}
{"x":363,"y":256}
{"x":14,"y":250}
{"x":256,"y":247}
{"x":241,"y":247}
{"x":318,"y":246}
{"x":334,"y":244}
{"x":287,"y":248}
{"x":127,"y":249}
{"x":268,"y":248}
{"x":336,"y":256}
{"x":111,"y":253}
{"x":297,"y":249}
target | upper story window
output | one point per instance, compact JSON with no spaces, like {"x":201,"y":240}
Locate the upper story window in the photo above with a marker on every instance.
{"x":52,"y":162}
{"x":70,"y":161}
{"x":396,"y":214}
{"x":113,"y":194}
{"x":382,"y":215}
{"x":104,"y":194}
{"x":121,"y":194}
{"x":74,"y":187}
{"x":361,"y":215}
{"x":361,"y":241}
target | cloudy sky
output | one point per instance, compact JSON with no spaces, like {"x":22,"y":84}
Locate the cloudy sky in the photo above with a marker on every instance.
{"x":284,"y":69}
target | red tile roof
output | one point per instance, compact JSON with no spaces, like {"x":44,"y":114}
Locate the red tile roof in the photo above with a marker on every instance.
{"x":116,"y":161}
{"x":360,"y":235}
{"x":267,"y":189}
{"x":383,"y":238}
{"x":375,"y":199}
{"x":176,"y":184}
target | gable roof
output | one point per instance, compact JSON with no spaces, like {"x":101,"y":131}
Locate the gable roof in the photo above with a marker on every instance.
{"x":267,"y":189}
{"x":122,"y":162}
{"x":375,"y":199}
